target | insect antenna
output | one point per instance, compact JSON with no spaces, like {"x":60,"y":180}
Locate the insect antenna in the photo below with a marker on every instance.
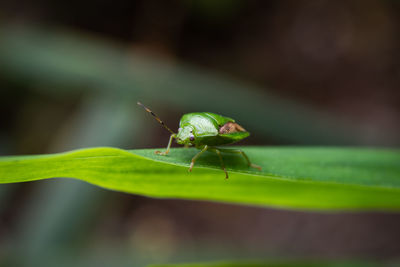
{"x":156,"y":117}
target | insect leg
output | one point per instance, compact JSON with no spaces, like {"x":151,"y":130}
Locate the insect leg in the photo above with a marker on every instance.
{"x":238,"y":151}
{"x":195,"y":157}
{"x":168,"y":147}
{"x":222,"y":162}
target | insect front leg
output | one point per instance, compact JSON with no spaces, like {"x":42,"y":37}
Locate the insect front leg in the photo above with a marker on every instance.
{"x":238,"y":151}
{"x":195,"y":157}
{"x":218,"y":152}
{"x":168,"y":147}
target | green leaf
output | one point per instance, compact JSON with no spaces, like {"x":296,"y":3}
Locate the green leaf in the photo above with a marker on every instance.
{"x":296,"y":178}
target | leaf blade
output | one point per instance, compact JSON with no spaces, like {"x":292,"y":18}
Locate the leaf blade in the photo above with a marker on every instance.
{"x":323,"y":184}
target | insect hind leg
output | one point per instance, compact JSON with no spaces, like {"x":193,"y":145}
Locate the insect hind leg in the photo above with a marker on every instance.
{"x":239,"y":151}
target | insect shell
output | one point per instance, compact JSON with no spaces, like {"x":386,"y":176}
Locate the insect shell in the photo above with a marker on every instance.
{"x":206,"y":128}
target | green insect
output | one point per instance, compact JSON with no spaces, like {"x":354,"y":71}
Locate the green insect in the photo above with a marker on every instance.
{"x":205,"y":130}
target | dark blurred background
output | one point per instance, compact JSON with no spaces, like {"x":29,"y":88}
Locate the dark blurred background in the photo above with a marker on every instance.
{"x":291,"y":72}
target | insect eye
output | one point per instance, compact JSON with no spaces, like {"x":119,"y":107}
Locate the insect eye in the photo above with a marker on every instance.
{"x":191,"y":137}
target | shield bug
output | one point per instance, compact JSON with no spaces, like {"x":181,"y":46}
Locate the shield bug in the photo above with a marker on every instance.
{"x":205,"y":131}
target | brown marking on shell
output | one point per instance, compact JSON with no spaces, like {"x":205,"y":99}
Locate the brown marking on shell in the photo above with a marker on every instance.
{"x":231,"y":127}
